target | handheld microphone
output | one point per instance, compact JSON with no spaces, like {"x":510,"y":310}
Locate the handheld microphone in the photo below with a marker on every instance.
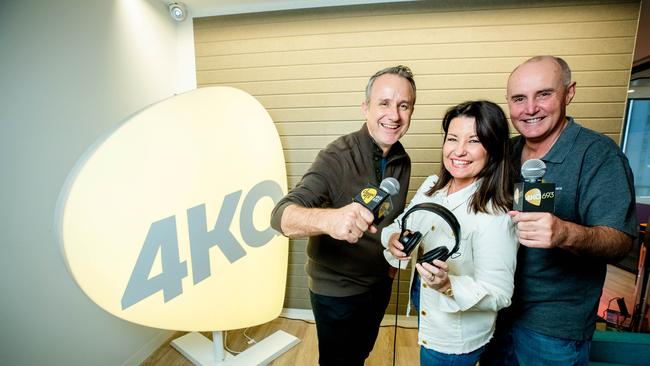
{"x":534,"y":195}
{"x":377,"y":200}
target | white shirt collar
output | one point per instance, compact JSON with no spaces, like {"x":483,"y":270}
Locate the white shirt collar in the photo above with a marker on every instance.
{"x":458,"y":198}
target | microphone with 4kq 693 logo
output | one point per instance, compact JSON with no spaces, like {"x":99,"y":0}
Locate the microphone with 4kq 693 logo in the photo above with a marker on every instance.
{"x":533,"y":195}
{"x":377,"y":200}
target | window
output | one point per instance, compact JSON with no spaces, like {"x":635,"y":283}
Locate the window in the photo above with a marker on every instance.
{"x":636,"y":140}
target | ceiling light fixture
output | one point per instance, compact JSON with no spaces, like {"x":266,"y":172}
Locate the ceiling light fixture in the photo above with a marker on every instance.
{"x":178,"y":11}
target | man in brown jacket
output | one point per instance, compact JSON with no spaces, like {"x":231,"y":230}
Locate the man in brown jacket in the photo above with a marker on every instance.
{"x":349,"y":278}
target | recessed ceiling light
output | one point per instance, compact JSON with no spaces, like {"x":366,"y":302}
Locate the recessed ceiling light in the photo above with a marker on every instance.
{"x":178,"y":11}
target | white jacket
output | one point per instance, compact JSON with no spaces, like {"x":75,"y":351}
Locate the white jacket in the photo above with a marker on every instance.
{"x":481,"y":273}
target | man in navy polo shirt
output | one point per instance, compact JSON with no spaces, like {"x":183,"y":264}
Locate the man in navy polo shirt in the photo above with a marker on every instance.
{"x":562,"y":260}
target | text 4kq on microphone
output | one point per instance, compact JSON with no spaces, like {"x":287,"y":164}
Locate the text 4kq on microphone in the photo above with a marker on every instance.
{"x":534,"y":195}
{"x":377,"y":200}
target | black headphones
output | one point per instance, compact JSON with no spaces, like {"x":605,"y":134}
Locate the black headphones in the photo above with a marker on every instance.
{"x":411,"y":240}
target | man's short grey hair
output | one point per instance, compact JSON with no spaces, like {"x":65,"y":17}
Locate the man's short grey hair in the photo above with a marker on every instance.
{"x":400,"y":70}
{"x":564,"y":67}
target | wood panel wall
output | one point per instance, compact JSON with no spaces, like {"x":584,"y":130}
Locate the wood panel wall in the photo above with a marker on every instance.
{"x":309,"y":69}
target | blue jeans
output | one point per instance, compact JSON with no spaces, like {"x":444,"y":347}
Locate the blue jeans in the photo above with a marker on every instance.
{"x":515,"y":345}
{"x":429,"y":357}
{"x":415,"y":293}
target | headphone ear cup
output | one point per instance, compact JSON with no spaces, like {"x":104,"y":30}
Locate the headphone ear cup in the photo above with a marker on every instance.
{"x":447,"y":216}
{"x":441,"y":253}
{"x":410,"y":241}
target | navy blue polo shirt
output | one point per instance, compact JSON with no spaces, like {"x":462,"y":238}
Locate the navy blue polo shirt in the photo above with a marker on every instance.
{"x":557,"y":292}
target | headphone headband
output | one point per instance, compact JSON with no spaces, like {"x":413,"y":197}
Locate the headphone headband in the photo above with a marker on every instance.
{"x":441,"y":211}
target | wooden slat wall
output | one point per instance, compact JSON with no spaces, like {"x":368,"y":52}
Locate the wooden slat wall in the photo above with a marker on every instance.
{"x":309,"y":69}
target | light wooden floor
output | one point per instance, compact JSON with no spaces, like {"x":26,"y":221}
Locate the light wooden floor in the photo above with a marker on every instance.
{"x":618,"y":283}
{"x":305,"y":352}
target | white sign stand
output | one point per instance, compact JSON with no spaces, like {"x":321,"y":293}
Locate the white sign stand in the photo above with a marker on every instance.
{"x":202,"y":352}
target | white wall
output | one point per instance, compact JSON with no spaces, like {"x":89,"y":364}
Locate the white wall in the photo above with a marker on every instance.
{"x":69,"y":72}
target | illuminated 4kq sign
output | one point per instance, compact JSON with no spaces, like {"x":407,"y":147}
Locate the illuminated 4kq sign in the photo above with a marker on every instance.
{"x":165,"y":222}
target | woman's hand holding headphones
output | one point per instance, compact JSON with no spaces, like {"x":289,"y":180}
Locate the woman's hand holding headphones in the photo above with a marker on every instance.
{"x":396,"y":248}
{"x":435,"y":276}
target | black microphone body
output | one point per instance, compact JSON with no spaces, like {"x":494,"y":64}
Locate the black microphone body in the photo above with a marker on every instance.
{"x":377,"y":199}
{"x":534,"y":195}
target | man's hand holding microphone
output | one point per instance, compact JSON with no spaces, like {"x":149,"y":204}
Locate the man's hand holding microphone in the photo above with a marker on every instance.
{"x":350,"y":222}
{"x":369,"y":208}
{"x":539,"y":229}
{"x":345,"y":223}
{"x":534,"y":207}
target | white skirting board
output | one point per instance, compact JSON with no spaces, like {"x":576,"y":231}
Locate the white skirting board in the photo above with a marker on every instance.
{"x":149,"y":348}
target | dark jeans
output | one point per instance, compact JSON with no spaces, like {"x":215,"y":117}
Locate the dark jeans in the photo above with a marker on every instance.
{"x":347,"y":327}
{"x":514,"y":345}
{"x":415,"y":295}
{"x":429,"y":357}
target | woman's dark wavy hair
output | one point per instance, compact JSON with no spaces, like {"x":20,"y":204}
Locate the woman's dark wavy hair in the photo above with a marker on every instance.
{"x":492,"y":130}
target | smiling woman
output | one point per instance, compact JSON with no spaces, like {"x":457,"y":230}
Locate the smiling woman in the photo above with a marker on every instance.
{"x":457,"y":297}
{"x":462,"y":153}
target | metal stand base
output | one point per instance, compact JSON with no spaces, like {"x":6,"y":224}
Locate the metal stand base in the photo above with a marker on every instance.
{"x":202,"y":352}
